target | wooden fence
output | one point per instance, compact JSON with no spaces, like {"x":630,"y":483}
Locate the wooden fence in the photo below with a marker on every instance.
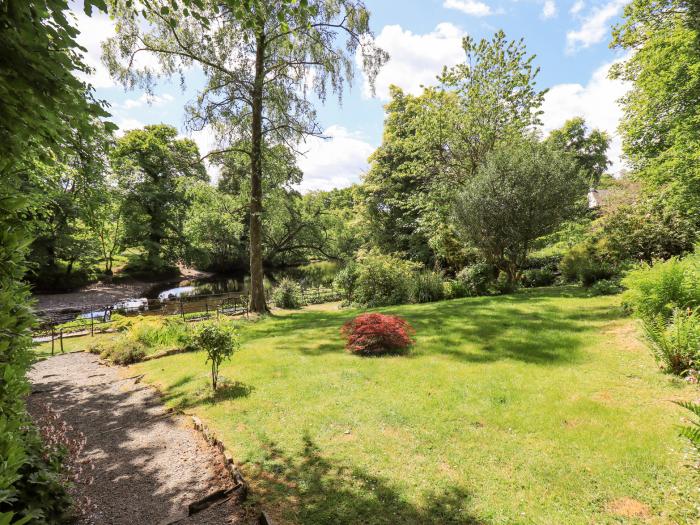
{"x":54,"y":324}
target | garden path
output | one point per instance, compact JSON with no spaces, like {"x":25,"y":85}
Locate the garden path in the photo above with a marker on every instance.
{"x":148,"y":466}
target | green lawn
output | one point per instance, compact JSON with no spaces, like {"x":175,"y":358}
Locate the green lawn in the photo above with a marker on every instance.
{"x":70,"y":344}
{"x":539,"y":407}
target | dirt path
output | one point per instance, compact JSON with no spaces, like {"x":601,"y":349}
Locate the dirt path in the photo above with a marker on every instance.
{"x":148,"y":465}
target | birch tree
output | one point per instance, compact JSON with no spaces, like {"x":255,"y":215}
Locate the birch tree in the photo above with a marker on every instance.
{"x":264,"y":61}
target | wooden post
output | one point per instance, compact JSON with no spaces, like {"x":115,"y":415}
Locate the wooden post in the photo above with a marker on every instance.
{"x":92,"y":322}
{"x":206,"y":306}
{"x":182,"y":311}
{"x":61,"y":337}
{"x":53,"y":336}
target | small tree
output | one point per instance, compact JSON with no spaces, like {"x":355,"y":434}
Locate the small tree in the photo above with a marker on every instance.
{"x":220,"y":342}
{"x":524,"y":191}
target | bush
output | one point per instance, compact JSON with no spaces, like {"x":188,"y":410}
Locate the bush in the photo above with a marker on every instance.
{"x":144,"y":335}
{"x":345,"y":281}
{"x":475,"y":279}
{"x":160,"y":332}
{"x":124,"y":352}
{"x":660,"y":288}
{"x":605,"y":287}
{"x":376,"y":334}
{"x":677,"y":344}
{"x":454,"y":289}
{"x":427,"y":287}
{"x":219,"y":340}
{"x":586,"y":264}
{"x":377,"y":280}
{"x":287,"y":294}
{"x":538,"y":277}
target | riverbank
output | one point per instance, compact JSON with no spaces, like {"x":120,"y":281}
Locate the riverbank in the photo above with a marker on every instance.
{"x":104,"y":292}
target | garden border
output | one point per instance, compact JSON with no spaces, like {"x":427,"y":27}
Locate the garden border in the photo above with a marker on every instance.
{"x":241,"y":486}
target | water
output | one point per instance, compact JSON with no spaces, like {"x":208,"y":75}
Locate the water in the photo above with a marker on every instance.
{"x":214,"y":285}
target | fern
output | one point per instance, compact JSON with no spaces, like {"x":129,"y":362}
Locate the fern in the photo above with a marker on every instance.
{"x":676,"y":344}
{"x":692,"y":432}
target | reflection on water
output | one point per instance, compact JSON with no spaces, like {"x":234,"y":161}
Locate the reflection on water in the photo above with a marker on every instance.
{"x":209,"y":286}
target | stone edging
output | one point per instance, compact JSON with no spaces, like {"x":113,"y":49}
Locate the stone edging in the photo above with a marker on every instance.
{"x":240,"y":485}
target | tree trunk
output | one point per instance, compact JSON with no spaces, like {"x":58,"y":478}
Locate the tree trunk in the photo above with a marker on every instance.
{"x":257,"y":291}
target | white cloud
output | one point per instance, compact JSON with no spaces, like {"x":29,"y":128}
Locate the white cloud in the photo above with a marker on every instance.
{"x":416,"y":59}
{"x":127,"y":124}
{"x":577,"y":7}
{"x":596,"y":102}
{"x":549,"y":9}
{"x":470,"y":7}
{"x":93,"y":31}
{"x":151,"y":100}
{"x":336,"y":162}
{"x":595,"y":26}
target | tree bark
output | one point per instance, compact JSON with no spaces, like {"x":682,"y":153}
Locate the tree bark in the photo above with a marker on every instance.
{"x":257,"y":291}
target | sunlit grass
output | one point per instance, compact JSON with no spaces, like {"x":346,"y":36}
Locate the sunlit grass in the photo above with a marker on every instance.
{"x":539,"y":407}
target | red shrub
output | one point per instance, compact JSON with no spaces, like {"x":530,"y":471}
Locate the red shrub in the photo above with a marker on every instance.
{"x":374,"y":334}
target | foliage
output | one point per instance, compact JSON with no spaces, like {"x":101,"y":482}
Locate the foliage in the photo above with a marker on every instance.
{"x":525,"y":190}
{"x":124,"y":351}
{"x":377,"y":280}
{"x":532,"y":278}
{"x":660,"y":127}
{"x":645,"y":230}
{"x":433,"y":144}
{"x":219,"y":340}
{"x":160,"y":332}
{"x":659,"y":289}
{"x":692,"y":431}
{"x":588,"y":147}
{"x":150,"y":164}
{"x":427,"y":287}
{"x":676,"y":343}
{"x":287,"y":294}
{"x":587,"y":263}
{"x":345,"y":281}
{"x":43,"y":102}
{"x":476,"y":278}
{"x":144,"y":335}
{"x":257,"y":61}
{"x":214,"y":228}
{"x":376,"y":334}
{"x":605,"y":287}
{"x":320,"y":273}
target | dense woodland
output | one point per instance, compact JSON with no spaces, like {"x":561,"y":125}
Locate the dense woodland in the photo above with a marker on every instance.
{"x":465,"y":193}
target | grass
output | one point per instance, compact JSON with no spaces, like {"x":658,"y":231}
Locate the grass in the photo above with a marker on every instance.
{"x":538,"y":407}
{"x":70,"y":344}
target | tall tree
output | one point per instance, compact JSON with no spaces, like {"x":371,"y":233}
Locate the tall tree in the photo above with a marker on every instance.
{"x":496,"y":99}
{"x":433,"y":144}
{"x":588,"y":146}
{"x":661,"y":124}
{"x":262,"y":61}
{"x":523,"y":191}
{"x":148,"y":164}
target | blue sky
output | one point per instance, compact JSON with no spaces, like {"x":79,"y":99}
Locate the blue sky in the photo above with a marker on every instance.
{"x":569,"y":37}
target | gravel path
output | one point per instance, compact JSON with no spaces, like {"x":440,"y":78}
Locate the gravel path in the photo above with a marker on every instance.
{"x":148,"y":465}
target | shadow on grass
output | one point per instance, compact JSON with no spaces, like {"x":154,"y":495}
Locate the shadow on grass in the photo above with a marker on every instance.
{"x":323,"y":492}
{"x":226,"y":391}
{"x":525,"y":326}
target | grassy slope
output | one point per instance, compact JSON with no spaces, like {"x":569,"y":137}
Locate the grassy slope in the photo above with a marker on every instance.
{"x":541,"y":407}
